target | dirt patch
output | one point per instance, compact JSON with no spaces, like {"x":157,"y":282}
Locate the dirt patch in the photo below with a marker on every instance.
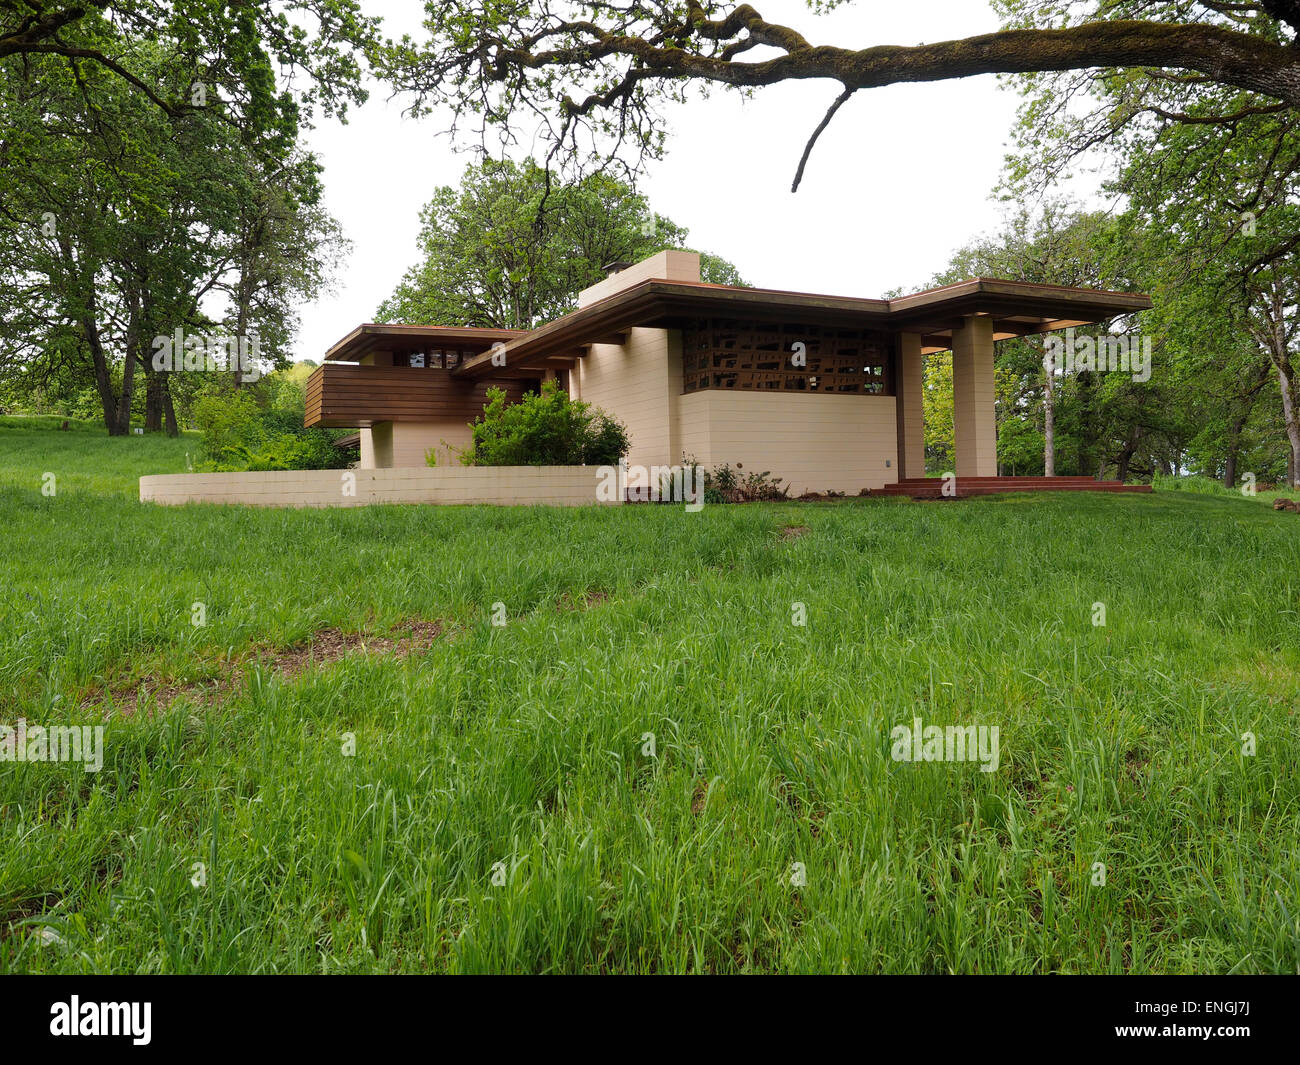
{"x":700,"y":797}
{"x":586,"y":602}
{"x":1135,"y":765}
{"x":823,"y":497}
{"x":330,"y":645}
{"x":320,"y":649}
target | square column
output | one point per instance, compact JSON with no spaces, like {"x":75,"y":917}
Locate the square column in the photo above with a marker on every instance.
{"x":974,"y":421}
{"x":907,"y":387}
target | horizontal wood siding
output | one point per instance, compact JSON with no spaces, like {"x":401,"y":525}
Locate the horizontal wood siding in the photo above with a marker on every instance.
{"x":315,"y":383}
{"x":356,"y":396}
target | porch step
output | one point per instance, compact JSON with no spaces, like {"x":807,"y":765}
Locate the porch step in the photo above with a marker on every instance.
{"x":932,"y":487}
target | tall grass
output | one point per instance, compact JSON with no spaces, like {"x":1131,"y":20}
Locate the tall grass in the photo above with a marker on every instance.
{"x":1201,"y":485}
{"x":502,"y":810}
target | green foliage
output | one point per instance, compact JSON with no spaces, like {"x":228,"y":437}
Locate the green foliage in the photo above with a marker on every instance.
{"x":509,"y":249}
{"x":261,"y":428}
{"x":231,"y":425}
{"x":230,"y":51}
{"x":1207,"y":172}
{"x":122,"y":220}
{"x":1192,"y":483}
{"x":937,"y":411}
{"x":722,"y":484}
{"x":1020,"y":446}
{"x":545,"y":429}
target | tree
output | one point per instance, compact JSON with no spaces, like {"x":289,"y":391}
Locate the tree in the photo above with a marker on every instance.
{"x":230,"y":50}
{"x":1061,"y":245}
{"x":596,"y":72}
{"x":937,"y":407}
{"x":511,"y":248}
{"x":119,"y":223}
{"x":1207,"y":176}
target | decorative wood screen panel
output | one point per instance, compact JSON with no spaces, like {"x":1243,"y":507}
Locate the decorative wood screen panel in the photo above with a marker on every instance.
{"x":761,"y":357}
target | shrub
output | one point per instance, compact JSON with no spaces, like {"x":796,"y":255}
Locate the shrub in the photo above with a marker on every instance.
{"x":545,"y":429}
{"x":307,"y":449}
{"x":231,"y":425}
{"x":722,"y":484}
{"x":238,"y":434}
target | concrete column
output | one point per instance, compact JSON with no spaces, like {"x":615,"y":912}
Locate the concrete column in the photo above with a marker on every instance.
{"x":974,"y":421}
{"x":674,"y":386}
{"x":907,"y":388}
{"x":381,"y":441}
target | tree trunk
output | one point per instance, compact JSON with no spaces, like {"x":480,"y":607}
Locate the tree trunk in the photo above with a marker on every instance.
{"x":123,"y":419}
{"x":169,"y":411}
{"x":1275,"y":341}
{"x":152,"y":398}
{"x":1049,"y":416}
{"x":103,"y":373}
{"x":90,"y":329}
{"x":1125,"y":459}
{"x":1286,"y":382}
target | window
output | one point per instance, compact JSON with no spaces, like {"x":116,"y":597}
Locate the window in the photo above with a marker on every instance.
{"x":761,"y":357}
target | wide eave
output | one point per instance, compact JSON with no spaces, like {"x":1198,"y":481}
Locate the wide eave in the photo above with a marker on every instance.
{"x":404,"y":339}
{"x":1017,"y":309}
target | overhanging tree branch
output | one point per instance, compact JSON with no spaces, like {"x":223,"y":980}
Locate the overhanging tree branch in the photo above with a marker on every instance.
{"x":576,"y":61}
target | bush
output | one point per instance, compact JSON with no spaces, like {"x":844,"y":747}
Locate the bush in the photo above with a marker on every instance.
{"x":545,"y":429}
{"x":231,"y":425}
{"x":238,"y":434}
{"x":307,"y":449}
{"x":722,"y":484}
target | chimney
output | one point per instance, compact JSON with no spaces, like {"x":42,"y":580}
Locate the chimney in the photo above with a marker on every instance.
{"x":670,"y":265}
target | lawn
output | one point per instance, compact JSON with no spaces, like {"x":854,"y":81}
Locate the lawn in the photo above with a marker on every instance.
{"x":649,"y":766}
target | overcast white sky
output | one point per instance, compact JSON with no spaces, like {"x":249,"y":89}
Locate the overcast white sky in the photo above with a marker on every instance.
{"x":899,"y":179}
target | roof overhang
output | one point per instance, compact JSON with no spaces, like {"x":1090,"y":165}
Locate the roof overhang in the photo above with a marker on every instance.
{"x":1017,"y":309}
{"x":414,"y":338}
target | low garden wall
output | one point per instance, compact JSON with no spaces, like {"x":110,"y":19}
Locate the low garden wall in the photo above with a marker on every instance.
{"x":559,"y":486}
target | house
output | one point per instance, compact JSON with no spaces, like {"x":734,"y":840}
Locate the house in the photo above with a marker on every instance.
{"x":823,"y":391}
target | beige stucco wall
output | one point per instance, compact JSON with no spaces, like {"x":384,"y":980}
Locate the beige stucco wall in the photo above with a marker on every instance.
{"x":636,"y":382}
{"x":412,"y":439}
{"x":502,"y":485}
{"x":401,"y":444}
{"x":665,"y":266}
{"x":381,"y":447}
{"x":816,"y":443}
{"x":974,"y":419}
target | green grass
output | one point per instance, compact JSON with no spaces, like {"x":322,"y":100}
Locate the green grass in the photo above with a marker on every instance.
{"x":522,"y":744}
{"x":1200,"y":485}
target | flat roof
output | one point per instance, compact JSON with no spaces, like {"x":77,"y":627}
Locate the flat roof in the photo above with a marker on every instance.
{"x":1018,"y":308}
{"x":405,"y":338}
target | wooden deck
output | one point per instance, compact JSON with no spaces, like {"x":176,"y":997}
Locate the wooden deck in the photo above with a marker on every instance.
{"x":965,"y":487}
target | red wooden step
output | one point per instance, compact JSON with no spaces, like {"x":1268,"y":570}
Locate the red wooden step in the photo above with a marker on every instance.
{"x":965,"y":487}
